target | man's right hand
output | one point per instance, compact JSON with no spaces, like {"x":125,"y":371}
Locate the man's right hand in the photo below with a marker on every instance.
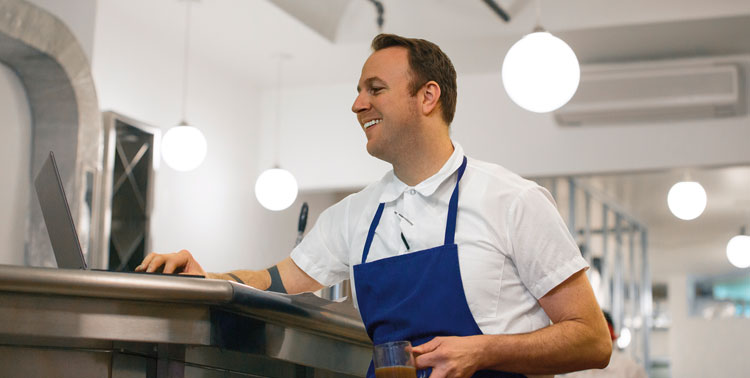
{"x":294,"y":279}
{"x":181,"y":262}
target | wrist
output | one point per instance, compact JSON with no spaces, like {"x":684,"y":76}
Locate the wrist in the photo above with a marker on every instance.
{"x":486,"y":352}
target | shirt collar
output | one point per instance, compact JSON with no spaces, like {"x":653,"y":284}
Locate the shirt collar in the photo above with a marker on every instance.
{"x":394,"y":187}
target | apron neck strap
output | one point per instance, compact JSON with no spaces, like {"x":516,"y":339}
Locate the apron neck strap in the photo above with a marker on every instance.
{"x":371,"y":232}
{"x":450,"y":227}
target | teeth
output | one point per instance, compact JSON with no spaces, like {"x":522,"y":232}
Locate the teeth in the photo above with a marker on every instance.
{"x":373,"y":122}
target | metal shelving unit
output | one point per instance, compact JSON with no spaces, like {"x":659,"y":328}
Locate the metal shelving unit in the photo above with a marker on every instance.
{"x":615,"y":244}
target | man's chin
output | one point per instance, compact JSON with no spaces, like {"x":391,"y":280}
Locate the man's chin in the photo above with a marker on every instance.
{"x":376,"y":151}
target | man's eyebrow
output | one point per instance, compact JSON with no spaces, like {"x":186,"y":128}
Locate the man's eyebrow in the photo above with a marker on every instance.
{"x":369,"y":81}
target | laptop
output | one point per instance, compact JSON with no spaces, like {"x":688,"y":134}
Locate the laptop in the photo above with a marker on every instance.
{"x":56,"y":212}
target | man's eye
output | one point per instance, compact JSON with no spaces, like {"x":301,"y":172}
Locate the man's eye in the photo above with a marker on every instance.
{"x":375,"y":90}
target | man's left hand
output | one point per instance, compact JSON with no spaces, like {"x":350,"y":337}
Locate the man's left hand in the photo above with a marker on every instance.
{"x":449,"y":356}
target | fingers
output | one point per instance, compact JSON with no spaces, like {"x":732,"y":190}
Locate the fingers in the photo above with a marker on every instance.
{"x":188,"y":265}
{"x":435,"y":373}
{"x":426,"y":347}
{"x":170,"y":265}
{"x":155,"y":263}
{"x":424,"y":361}
{"x":180,"y":262}
{"x":145,"y":262}
{"x":424,"y":356}
{"x":450,"y":356}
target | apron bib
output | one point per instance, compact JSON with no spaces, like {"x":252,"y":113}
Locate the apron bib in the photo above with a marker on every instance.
{"x":419,"y":295}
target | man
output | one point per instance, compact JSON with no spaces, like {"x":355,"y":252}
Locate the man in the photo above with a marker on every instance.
{"x":471,"y":274}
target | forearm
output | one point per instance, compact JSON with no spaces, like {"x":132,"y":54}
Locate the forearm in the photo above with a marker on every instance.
{"x":563,"y":347}
{"x":259,"y":279}
{"x":293,"y":279}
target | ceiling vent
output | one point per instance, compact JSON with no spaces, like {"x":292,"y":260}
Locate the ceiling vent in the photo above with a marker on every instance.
{"x":654,"y":92}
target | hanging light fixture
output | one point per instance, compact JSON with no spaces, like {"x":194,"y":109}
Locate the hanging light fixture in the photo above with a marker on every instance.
{"x":738,"y":250}
{"x":183,"y":147}
{"x":687,"y":200}
{"x":540,"y":72}
{"x":276,"y":188}
{"x":624,"y":339}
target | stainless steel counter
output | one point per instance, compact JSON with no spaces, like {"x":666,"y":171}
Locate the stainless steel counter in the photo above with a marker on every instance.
{"x":60,"y":323}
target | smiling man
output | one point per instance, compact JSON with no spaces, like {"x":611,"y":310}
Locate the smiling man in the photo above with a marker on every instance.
{"x":401,"y":111}
{"x":468,"y":261}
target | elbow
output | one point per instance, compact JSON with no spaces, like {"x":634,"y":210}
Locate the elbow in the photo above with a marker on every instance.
{"x":601,"y":352}
{"x":600,"y":343}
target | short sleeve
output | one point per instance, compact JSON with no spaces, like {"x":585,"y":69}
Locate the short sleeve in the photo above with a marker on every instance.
{"x":543,"y":250}
{"x":323,"y":253}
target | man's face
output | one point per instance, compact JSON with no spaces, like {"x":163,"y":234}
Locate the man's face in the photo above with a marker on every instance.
{"x":385,"y":109}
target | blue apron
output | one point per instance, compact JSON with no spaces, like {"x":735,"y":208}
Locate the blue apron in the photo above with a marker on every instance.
{"x":419,"y":295}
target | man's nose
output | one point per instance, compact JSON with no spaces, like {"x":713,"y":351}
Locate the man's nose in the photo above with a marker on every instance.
{"x":360,"y":103}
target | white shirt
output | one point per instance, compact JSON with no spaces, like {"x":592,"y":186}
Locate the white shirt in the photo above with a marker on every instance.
{"x":513,"y":247}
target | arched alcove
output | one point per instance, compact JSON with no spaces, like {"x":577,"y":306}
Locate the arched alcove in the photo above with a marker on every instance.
{"x":56,"y":75}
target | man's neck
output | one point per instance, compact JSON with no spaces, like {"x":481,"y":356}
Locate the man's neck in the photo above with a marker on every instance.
{"x":423,"y":160}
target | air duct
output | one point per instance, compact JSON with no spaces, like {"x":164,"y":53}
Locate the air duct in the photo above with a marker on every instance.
{"x":663,"y":91}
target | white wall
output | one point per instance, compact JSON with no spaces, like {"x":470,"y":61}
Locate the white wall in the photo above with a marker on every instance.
{"x":211,"y":211}
{"x":704,"y":348}
{"x":492,"y":128}
{"x":321,"y":142}
{"x":15,"y":154}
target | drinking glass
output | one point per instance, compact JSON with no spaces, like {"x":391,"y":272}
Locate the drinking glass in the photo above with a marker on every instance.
{"x":394,"y":360}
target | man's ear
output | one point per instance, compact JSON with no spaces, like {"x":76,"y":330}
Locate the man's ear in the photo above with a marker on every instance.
{"x":430,"y":97}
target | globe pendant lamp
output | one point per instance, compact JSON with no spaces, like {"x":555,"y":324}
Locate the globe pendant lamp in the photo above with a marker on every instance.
{"x":184,"y":147}
{"x":738,"y":250}
{"x":540,"y":72}
{"x":687,"y":200}
{"x":276,"y":188}
{"x":624,"y":339}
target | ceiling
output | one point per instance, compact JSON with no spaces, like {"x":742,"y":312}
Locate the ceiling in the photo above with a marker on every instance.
{"x":477,"y":39}
{"x":329,"y":39}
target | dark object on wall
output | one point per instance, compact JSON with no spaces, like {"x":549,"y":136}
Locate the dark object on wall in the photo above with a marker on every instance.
{"x":302,"y":223}
{"x":129,"y":169}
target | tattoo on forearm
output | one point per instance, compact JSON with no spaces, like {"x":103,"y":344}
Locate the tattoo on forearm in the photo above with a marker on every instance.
{"x":276,"y":284}
{"x":234,"y":277}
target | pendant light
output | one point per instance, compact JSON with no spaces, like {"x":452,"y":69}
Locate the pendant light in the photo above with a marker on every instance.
{"x":183,"y":147}
{"x":540,"y":72}
{"x":276,"y":188}
{"x":687,"y":199}
{"x":738,"y":249}
{"x":624,"y":339}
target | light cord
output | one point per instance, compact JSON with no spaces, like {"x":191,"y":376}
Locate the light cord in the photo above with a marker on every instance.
{"x":277,"y":131}
{"x":185,"y":64}
{"x":538,"y":13}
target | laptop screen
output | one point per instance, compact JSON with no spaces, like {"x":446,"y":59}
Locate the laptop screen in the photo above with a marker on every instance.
{"x":57,"y":217}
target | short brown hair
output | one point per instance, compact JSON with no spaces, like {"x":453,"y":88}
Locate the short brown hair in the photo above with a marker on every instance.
{"x":426,"y":62}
